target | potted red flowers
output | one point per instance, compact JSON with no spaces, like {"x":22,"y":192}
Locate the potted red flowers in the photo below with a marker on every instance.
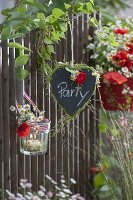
{"x":115,"y":64}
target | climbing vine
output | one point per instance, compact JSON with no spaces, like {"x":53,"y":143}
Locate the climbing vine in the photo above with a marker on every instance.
{"x":50,"y":20}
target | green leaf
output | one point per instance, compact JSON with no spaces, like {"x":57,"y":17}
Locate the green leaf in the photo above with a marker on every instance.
{"x":21,"y":73}
{"x":99,"y":180}
{"x":48,"y":40}
{"x":67,"y":6}
{"x":6,"y":12}
{"x":103,"y":127}
{"x":88,"y":8}
{"x":35,"y":4}
{"x":18,"y":46}
{"x":42,"y":23}
{"x":57,"y":13}
{"x":50,"y":49}
{"x":21,"y":60}
{"x":5,"y":34}
{"x":94,"y":22}
{"x":92,"y":2}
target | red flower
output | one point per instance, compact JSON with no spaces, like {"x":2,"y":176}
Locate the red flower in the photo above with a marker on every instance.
{"x":80,"y":78}
{"x":126,"y":63}
{"x":121,"y":55}
{"x":115,"y":77}
{"x":130,"y":48}
{"x":23,"y":130}
{"x":94,"y":170}
{"x":120,"y":31}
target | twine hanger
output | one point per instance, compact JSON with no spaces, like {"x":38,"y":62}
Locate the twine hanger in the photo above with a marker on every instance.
{"x":72,"y":40}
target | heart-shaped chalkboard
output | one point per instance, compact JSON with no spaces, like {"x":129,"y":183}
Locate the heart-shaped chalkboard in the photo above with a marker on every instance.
{"x":70,"y":96}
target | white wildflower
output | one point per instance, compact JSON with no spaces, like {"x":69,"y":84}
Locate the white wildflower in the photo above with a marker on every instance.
{"x":12,"y":108}
{"x":42,"y":113}
{"x":41,"y":193}
{"x":28,"y":185}
{"x":35,"y":198}
{"x":63,"y":181}
{"x":50,"y":194}
{"x":124,"y":69}
{"x":62,"y":194}
{"x":22,"y":185}
{"x":67,"y":191}
{"x":26,"y":107}
{"x":131,"y":92}
{"x":65,"y":186}
{"x":57,"y":188}
{"x":124,"y":91}
{"x":54,"y":182}
{"x":40,"y":118}
{"x":22,"y":111}
{"x":23,"y":180}
{"x":48,"y":177}
{"x":73,"y":181}
{"x":42,"y":188}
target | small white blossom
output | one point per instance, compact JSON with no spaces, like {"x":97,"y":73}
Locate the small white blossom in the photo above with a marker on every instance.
{"x":48,"y":177}
{"x":67,"y":191}
{"x":73,"y":181}
{"x":28,"y":185}
{"x":62,"y":194}
{"x":12,"y":108}
{"x":41,"y":193}
{"x":40,"y":118}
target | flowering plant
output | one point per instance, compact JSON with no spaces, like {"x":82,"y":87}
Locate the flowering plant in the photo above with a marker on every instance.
{"x":27,"y":118}
{"x":79,"y":77}
{"x":113,"y":174}
{"x":115,"y":61}
{"x":56,"y":191}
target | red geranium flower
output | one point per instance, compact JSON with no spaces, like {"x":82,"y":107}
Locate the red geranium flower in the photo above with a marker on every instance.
{"x":80,"y":78}
{"x":120,"y":31}
{"x":94,"y":170}
{"x":125,"y":63}
{"x":23,"y":130}
{"x":130,"y":48}
{"x":115,"y":77}
{"x":121,"y":55}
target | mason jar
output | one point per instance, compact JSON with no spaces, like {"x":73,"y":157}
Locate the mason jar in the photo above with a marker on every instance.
{"x":37,"y":141}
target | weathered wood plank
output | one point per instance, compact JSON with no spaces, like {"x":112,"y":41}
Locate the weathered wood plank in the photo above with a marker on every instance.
{"x":6,"y":120}
{"x":19,"y":98}
{"x":27,"y":88}
{"x":1,"y":124}
{"x":40,"y":104}
{"x":13,"y":141}
{"x":34,"y":159}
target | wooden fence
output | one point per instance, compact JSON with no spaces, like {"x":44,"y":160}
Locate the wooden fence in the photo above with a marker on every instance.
{"x":71,"y":153}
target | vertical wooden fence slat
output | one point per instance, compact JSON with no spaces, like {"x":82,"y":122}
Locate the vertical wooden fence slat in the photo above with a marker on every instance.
{"x":27,"y":87}
{"x":34,"y":159}
{"x":1,"y":124}
{"x":19,"y":98}
{"x":40,"y":82}
{"x":46,"y":104}
{"x":12,"y":102}
{"x":6,"y":121}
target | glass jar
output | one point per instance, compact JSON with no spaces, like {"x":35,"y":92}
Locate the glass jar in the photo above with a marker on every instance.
{"x":37,"y":141}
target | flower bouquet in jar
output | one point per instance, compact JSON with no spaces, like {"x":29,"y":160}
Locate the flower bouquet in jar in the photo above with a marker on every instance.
{"x":32,"y":128}
{"x":115,"y":64}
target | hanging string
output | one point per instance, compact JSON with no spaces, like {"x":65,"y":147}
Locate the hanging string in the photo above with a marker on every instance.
{"x":72,"y":39}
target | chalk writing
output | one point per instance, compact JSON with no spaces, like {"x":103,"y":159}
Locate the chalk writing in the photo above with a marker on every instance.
{"x":65,"y":92}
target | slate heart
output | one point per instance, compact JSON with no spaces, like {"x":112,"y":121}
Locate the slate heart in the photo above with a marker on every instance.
{"x":70,"y":96}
